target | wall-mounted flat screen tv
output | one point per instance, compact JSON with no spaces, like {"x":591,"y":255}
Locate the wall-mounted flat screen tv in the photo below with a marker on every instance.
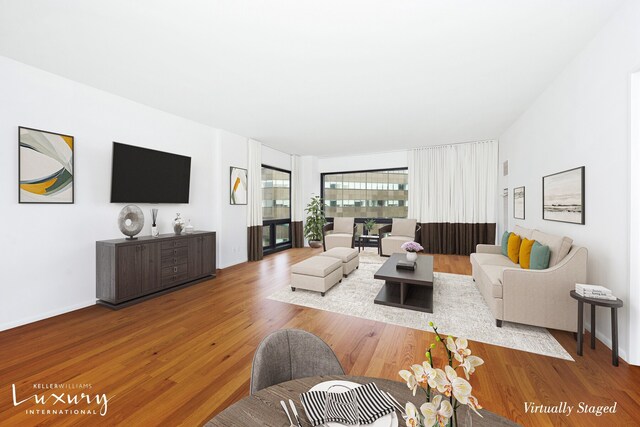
{"x":141,"y":175}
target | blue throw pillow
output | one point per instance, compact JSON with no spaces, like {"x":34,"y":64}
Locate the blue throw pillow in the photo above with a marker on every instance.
{"x":539,"y":257}
{"x":505,"y":243}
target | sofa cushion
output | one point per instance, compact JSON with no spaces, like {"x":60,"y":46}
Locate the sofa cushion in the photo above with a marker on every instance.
{"x":492,"y":259}
{"x":343,"y":225}
{"x":525,"y":252}
{"x":559,"y":246}
{"x":513,"y":247}
{"x":343,"y":254}
{"x":494,"y":274}
{"x":523,"y":232}
{"x":539,"y":257}
{"x":318,"y":266}
{"x":404,"y":227}
{"x":505,"y":243}
{"x":391,"y":244}
{"x":335,"y":240}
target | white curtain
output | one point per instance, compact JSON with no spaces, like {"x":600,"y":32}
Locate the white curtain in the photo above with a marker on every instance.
{"x":254,"y":201}
{"x":254,"y":183}
{"x":454,"y":183}
{"x":297,"y":204}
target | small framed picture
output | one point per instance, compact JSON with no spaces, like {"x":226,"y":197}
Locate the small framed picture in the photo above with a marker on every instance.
{"x":238,"y":184}
{"x":518,"y":203}
{"x":563,"y":196}
{"x":45,"y":167}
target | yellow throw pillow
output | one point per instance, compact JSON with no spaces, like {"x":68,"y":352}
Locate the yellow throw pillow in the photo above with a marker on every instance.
{"x":513,"y":247}
{"x":525,"y":252}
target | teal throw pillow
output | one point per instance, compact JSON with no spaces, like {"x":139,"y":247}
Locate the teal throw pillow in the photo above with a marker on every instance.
{"x":539,"y":257}
{"x":505,"y":243}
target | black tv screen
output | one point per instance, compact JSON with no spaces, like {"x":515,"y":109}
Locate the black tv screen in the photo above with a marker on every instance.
{"x":141,"y":175}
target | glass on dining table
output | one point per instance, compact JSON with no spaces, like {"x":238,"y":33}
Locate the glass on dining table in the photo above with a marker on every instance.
{"x":341,"y":406}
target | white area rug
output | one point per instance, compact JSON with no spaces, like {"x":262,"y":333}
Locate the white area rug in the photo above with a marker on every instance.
{"x":459,"y":309}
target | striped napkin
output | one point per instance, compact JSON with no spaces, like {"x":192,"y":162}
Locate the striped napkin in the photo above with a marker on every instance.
{"x":371,"y":406}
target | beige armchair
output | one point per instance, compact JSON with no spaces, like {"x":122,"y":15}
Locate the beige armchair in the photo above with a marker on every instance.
{"x":393,"y":235}
{"x":341,"y":233}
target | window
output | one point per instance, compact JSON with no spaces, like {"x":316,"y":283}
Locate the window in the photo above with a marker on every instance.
{"x":276,"y":209}
{"x":369,"y":194}
{"x":377,"y":194}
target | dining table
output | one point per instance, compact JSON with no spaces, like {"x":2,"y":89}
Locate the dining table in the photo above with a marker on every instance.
{"x":263,"y":408}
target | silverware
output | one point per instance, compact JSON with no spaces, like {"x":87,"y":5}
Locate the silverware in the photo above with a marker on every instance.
{"x":295,"y":412}
{"x":286,"y":411}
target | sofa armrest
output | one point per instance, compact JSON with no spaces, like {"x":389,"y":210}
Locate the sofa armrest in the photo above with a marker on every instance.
{"x":489,"y":249}
{"x":541,"y":297}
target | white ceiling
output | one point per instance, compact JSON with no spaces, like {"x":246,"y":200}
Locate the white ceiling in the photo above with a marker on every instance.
{"x":321,"y":77}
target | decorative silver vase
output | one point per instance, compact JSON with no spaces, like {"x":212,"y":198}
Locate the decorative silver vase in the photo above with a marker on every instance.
{"x":178,"y":225}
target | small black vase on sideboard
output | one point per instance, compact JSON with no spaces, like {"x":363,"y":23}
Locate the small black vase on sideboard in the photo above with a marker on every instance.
{"x":131,"y":271}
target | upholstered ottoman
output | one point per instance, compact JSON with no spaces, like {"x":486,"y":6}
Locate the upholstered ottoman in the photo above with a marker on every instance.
{"x":348,"y":256}
{"x":318,"y":273}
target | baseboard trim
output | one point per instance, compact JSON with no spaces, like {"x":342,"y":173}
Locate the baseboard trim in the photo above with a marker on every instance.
{"x":606,"y":340}
{"x":48,"y":314}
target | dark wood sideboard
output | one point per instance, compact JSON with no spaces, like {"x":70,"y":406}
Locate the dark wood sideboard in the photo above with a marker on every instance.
{"x":129,"y":271}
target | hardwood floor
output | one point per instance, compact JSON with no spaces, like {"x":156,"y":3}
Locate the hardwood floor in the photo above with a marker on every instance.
{"x":181,"y":358}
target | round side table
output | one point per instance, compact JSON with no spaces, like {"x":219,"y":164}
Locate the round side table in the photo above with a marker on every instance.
{"x":614,"y":305}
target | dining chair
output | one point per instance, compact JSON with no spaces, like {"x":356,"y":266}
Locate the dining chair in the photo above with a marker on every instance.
{"x":289,"y":354}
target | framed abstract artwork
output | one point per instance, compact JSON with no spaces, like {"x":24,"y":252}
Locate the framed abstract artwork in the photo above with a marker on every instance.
{"x":238,"y":188}
{"x":563,"y":196}
{"x":45,"y":167}
{"x":518,"y":203}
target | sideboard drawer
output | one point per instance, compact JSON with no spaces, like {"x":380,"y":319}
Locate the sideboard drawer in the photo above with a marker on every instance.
{"x":173,"y":279}
{"x":178,"y":243}
{"x":173,"y":270}
{"x":174,"y":253}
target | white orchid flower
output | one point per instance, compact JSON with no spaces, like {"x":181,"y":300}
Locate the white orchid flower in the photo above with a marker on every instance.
{"x":413,"y":419}
{"x":436,"y":411}
{"x":445,"y":413}
{"x":430,"y":410}
{"x":458,"y":348}
{"x":460,"y":388}
{"x":473,"y":404}
{"x":412,"y":383}
{"x":420,"y":372}
{"x":436,"y":378}
{"x":470,"y":363}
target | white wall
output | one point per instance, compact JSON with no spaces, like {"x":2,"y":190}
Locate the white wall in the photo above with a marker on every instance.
{"x":582,"y":119}
{"x":232,"y":234}
{"x":275,"y":158}
{"x":49,"y":250}
{"x":386,"y":160}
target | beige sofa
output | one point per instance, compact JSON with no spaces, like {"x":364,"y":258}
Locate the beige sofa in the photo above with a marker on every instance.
{"x":532,"y":297}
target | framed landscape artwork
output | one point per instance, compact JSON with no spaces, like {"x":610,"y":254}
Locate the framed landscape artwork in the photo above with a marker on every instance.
{"x":238,"y":186}
{"x":45,"y":167}
{"x":563,"y":196}
{"x":518,"y":203}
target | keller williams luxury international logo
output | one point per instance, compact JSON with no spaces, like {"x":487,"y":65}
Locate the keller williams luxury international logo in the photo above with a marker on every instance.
{"x":68,"y":402}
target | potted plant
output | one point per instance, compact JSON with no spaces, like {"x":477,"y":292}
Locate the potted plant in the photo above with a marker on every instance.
{"x":445,"y":391}
{"x":368,"y":225}
{"x":412,"y":249}
{"x":315,"y":222}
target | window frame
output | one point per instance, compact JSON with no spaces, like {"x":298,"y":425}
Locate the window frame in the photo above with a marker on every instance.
{"x":272,"y":223}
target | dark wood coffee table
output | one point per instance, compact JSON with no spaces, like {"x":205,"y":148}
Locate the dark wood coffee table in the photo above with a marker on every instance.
{"x":412,"y":290}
